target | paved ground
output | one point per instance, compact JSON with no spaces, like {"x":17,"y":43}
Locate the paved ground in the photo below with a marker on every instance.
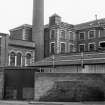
{"x":47,"y":103}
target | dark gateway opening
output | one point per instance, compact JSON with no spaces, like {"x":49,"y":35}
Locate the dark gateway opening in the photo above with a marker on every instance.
{"x":19,"y":83}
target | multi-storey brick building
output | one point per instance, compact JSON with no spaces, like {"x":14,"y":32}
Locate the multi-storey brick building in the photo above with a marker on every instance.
{"x":62,"y":37}
{"x":59,"y":38}
{"x":58,"y":35}
{"x":73,"y":46}
{"x":17,"y":49}
{"x":64,"y":41}
{"x":91,"y":35}
{"x":21,"y":48}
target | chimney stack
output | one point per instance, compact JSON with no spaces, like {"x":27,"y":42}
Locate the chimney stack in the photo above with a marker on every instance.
{"x":38,"y":28}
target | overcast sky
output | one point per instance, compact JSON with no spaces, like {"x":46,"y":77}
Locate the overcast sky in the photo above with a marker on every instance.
{"x":17,"y":12}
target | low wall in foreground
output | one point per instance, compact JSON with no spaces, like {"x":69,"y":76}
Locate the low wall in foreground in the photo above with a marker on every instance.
{"x":61,"y":87}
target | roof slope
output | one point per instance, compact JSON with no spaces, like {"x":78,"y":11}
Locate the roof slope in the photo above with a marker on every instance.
{"x":72,"y":59}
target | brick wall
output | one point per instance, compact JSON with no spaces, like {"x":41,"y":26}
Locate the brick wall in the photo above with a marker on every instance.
{"x":47,"y":86}
{"x":3,"y":51}
{"x":28,"y":34}
{"x":16,"y":34}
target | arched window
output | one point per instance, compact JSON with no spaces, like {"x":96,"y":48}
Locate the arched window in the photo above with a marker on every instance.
{"x":19,"y":59}
{"x":12,"y":59}
{"x":28,"y":59}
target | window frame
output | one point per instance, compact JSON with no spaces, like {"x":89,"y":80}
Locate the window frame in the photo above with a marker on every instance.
{"x":12,"y":51}
{"x":69,"y":47}
{"x":79,"y":36}
{"x":89,"y":34}
{"x":26,"y":58}
{"x":64,"y":34}
{"x":51,"y":34}
{"x":60,"y":46}
{"x":21,"y":57}
{"x":79,"y":47}
{"x":50,"y":47}
{"x":70,"y":35}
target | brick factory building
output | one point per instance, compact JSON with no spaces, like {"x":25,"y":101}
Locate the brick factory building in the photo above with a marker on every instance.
{"x":18,"y":48}
{"x":67,"y":49}
{"x":67,"y":55}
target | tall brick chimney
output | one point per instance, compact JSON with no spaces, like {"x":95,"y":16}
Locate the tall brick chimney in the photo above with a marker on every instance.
{"x":38,"y":28}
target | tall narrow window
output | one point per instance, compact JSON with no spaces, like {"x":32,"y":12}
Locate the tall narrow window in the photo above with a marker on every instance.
{"x":19,"y":58}
{"x":52,"y":48}
{"x":12,"y":59}
{"x":82,"y":47}
{"x":63,"y":47}
{"x":63,"y":35}
{"x":52,"y":34}
{"x":28,"y":59}
{"x":71,"y":36}
{"x":71,"y":47}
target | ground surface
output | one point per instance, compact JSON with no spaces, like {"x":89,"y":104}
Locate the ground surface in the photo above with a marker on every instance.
{"x":53,"y":103}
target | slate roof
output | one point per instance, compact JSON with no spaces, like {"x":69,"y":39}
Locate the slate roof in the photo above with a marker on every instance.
{"x":73,"y":59}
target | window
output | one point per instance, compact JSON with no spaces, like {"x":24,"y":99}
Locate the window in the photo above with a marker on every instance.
{"x":91,"y":46}
{"x":28,"y":59}
{"x":19,"y":59}
{"x":63,"y":35}
{"x":52,"y":48}
{"x":71,"y":36}
{"x":82,"y":35}
{"x":91,"y":34}
{"x":52,"y":34}
{"x":63,"y":47}
{"x":71,"y":47}
{"x":12,"y":59}
{"x":82,"y":47}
